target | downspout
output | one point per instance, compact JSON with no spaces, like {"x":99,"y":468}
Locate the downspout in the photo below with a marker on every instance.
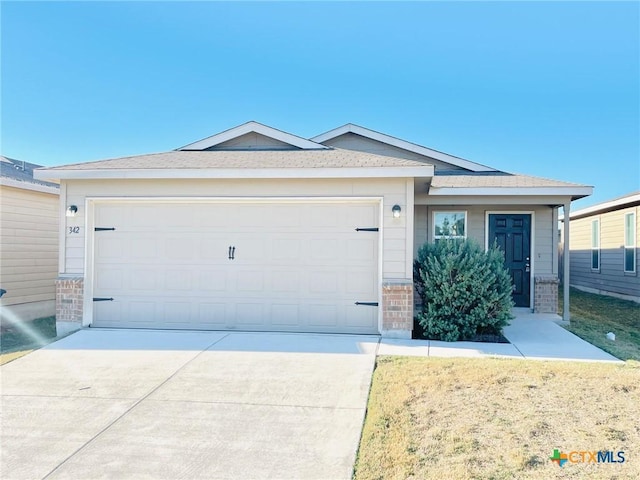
{"x":565,"y":283}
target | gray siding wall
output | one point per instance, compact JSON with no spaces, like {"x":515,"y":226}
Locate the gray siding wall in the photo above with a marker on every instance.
{"x":611,"y":277}
{"x":250,"y":141}
{"x":544,"y":235}
{"x":352,"y":141}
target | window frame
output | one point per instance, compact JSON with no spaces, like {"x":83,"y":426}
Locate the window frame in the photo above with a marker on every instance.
{"x":626,"y":247}
{"x":595,"y":239}
{"x":449,"y":212}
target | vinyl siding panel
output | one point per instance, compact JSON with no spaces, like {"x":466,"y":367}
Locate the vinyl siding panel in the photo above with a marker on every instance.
{"x":611,"y":277}
{"x":353,"y":141}
{"x":253,"y":140}
{"x":392,"y":191}
{"x":28,"y":245}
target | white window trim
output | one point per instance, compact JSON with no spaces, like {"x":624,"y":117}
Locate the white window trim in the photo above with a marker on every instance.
{"x":449,"y":211}
{"x":633,"y":245}
{"x":595,"y":221}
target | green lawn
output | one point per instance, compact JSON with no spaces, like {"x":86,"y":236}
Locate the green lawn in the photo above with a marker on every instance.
{"x":20,"y":338}
{"x":593,"y":316}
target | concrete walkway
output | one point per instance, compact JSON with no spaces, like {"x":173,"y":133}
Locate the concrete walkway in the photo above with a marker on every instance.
{"x":199,"y":405}
{"x":532,"y":336}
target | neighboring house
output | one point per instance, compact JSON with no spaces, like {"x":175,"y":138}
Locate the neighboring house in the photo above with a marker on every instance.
{"x":29,"y":232}
{"x":258,"y":229}
{"x":604,"y":248}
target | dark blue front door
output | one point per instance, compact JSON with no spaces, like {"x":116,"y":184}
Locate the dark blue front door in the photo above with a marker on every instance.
{"x":512,"y":232}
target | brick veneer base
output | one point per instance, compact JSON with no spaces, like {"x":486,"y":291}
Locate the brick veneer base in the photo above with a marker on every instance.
{"x":69,"y":298}
{"x":545,"y":294}
{"x":397,"y":308}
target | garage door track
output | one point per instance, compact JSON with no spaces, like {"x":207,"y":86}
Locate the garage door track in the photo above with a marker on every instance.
{"x":158,"y":404}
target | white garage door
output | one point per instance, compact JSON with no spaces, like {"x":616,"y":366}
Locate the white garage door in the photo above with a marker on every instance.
{"x":237,"y":266}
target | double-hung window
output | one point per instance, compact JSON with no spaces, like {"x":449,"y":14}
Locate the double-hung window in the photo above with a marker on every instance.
{"x":630,"y":242}
{"x":595,"y":244}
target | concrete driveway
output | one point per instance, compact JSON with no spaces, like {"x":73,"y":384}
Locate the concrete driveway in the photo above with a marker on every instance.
{"x":158,"y":404}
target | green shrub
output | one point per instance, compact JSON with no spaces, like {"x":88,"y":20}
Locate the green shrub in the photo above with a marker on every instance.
{"x":465,"y":290}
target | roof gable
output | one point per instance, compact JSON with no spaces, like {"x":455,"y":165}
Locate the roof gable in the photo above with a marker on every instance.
{"x":265,"y":137}
{"x":402,"y":144}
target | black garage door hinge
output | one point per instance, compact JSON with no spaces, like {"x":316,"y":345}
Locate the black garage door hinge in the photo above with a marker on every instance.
{"x":368,"y":304}
{"x":102,"y":299}
{"x":371,"y":229}
{"x":102,"y":229}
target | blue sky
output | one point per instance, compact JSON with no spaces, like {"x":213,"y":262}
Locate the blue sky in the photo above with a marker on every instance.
{"x":543,"y":88}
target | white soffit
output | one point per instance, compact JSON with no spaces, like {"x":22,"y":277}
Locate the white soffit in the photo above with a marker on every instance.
{"x":256,"y":127}
{"x":396,"y":142}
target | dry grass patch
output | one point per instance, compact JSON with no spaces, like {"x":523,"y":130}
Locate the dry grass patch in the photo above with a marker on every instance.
{"x":497,"y":419}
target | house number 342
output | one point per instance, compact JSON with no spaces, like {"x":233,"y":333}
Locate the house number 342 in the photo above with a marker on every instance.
{"x":74,"y":230}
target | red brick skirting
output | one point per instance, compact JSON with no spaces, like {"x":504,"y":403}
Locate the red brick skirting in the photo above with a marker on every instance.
{"x":69,"y":298}
{"x":397,"y":308}
{"x":545,"y":294}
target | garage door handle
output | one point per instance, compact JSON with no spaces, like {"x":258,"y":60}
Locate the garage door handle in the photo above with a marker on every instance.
{"x":232,"y":253}
{"x":368,"y":304}
{"x":102,"y":299}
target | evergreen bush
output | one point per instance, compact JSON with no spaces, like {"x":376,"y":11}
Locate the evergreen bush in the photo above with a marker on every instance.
{"x":465,"y":291}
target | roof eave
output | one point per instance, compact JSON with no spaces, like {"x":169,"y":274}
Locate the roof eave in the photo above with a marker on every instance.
{"x":234,"y":173}
{"x":616,"y":204}
{"x":574,"y":191}
{"x":36,"y":187}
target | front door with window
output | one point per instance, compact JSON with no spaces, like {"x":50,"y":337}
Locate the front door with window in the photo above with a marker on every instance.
{"x":512,"y":232}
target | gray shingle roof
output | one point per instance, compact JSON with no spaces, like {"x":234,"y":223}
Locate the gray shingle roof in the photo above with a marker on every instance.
{"x":330,"y":158}
{"x":21,"y":171}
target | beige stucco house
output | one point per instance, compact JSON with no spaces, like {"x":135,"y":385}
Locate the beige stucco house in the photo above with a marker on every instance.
{"x":603,"y":248}
{"x":29,"y":220}
{"x":258,"y":229}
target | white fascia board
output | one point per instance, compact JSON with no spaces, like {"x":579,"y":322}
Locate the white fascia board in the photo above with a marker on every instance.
{"x":403,"y":144}
{"x":574,"y":191}
{"x":234,"y":173}
{"x":621,"y":202}
{"x":9,"y":182}
{"x":256,"y":127}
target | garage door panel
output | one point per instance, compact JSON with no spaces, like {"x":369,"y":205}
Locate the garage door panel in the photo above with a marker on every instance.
{"x":323,"y":315}
{"x":286,"y":281}
{"x":360,"y":284}
{"x":361,"y":249}
{"x":212,"y":314}
{"x":178,"y":280}
{"x":213,"y":280}
{"x":167,"y":266}
{"x":249,"y":314}
{"x":361,"y":316}
{"x":285,"y":315}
